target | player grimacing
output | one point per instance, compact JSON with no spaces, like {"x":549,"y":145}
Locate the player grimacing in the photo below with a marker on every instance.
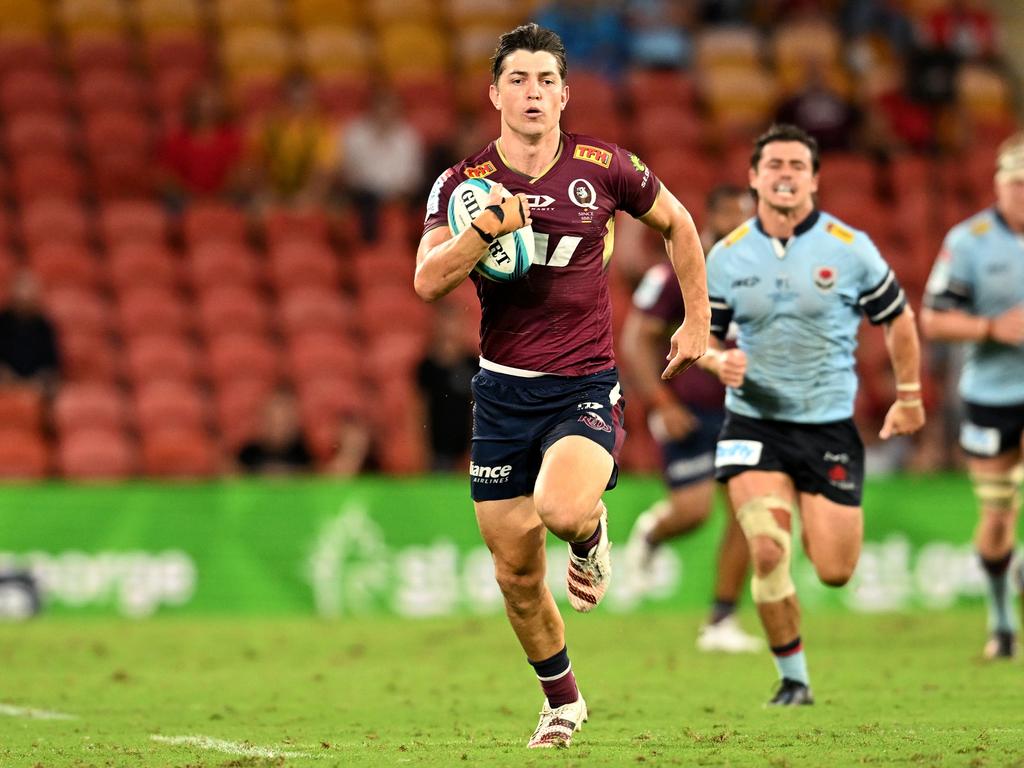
{"x":547,"y":403}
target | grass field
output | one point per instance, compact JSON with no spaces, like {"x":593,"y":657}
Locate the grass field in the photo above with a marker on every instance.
{"x":901,"y":690}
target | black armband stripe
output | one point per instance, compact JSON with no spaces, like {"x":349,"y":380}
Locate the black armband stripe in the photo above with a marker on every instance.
{"x":721,"y":316}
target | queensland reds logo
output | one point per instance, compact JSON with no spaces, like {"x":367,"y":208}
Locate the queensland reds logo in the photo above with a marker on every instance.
{"x":595,"y":422}
{"x":582,"y":194}
{"x":825,"y":278}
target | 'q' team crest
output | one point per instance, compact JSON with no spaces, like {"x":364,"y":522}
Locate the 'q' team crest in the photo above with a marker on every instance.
{"x":825,"y":278}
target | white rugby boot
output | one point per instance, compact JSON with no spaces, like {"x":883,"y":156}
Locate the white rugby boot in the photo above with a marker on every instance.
{"x":557,"y":726}
{"x":727,"y":636}
{"x":587,"y":578}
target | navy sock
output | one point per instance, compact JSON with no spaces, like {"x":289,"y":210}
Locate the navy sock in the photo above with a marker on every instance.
{"x":722,"y":609}
{"x":1000,"y":593}
{"x":556,"y":679}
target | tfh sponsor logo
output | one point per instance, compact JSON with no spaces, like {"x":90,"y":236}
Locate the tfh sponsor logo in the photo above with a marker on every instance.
{"x":594,"y":155}
{"x":480,"y":171}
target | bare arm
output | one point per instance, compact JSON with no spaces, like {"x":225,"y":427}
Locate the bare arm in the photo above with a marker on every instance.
{"x":957,"y":325}
{"x":682,"y":243}
{"x":444,"y":261}
{"x":906,"y":415}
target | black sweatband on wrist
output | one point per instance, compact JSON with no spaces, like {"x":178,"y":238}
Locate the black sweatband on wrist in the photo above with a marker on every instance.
{"x":487,"y":238}
{"x":497,"y":211}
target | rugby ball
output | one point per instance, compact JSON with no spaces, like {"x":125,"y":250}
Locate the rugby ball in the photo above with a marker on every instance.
{"x":509,"y":256}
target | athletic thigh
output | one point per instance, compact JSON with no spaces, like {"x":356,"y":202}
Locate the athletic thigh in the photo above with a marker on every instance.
{"x":832,"y":533}
{"x":514,"y":534}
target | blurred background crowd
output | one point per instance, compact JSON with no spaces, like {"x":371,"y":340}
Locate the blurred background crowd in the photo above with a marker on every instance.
{"x":209,"y":209}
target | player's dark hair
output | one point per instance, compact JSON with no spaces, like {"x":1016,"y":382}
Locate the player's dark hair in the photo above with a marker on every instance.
{"x":785,"y":132}
{"x":722,"y":192}
{"x":529,"y":37}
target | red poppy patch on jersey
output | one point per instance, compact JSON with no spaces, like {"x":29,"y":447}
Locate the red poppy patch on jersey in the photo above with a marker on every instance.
{"x":825,"y":278}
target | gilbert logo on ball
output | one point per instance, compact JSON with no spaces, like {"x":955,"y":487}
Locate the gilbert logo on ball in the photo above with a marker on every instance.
{"x":509,"y":256}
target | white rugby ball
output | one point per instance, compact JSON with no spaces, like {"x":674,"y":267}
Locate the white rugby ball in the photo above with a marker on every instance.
{"x":509,"y":256}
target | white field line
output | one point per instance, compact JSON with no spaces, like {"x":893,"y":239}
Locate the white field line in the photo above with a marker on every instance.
{"x":228,"y":747}
{"x":37,"y":714}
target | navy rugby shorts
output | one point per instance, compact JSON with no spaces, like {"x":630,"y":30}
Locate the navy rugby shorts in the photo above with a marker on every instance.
{"x":825,"y":459}
{"x":991,"y":430}
{"x":692,"y":459}
{"x":516,"y":419}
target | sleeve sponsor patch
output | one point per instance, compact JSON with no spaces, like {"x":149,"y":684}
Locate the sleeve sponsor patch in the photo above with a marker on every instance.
{"x":595,"y":155}
{"x":480,"y":171}
{"x":981,"y":227}
{"x":842,"y":233}
{"x":737,"y":234}
{"x":434,"y":200}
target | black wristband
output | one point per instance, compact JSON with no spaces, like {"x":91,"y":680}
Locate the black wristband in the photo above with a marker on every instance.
{"x":487,"y":238}
{"x":498,"y":211}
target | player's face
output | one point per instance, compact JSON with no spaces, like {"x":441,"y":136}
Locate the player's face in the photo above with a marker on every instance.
{"x":1010,"y":200}
{"x":530,"y":93}
{"x":785,"y":179}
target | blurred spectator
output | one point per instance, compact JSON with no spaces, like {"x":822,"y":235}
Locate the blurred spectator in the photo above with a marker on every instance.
{"x":593,"y":32}
{"x":883,"y":19}
{"x":294,"y":149}
{"x":725,"y":11}
{"x":893,"y":121}
{"x":444,"y":377}
{"x":28,"y":342}
{"x":202,"y":157}
{"x":822,"y":112}
{"x":964,"y":28}
{"x":280,"y":447}
{"x":382,"y":160}
{"x":659,"y":36}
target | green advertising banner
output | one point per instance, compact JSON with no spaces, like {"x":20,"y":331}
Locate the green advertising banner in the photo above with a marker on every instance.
{"x":411,"y":548}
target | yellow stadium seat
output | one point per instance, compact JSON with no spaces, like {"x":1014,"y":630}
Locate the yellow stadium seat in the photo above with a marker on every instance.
{"x":23,"y":16}
{"x":333,"y":50}
{"x":720,"y":46}
{"x":92,"y":15}
{"x":811,"y":41}
{"x":501,"y":13}
{"x":984,"y":92}
{"x":738,"y":97}
{"x":410,"y":46}
{"x":317,"y":13}
{"x":256,"y":52}
{"x":165,"y":15}
{"x":385,"y":12}
{"x":473,"y":45}
{"x":247,"y":13}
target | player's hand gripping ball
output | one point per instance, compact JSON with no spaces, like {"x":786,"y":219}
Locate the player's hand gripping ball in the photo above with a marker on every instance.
{"x":509,"y":255}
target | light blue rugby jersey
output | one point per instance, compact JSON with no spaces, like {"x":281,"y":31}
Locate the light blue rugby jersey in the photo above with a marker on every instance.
{"x":797,"y":306}
{"x":980,"y":270}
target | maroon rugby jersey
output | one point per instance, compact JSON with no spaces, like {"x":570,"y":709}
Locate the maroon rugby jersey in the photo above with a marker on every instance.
{"x":658,"y":296}
{"x":557,"y":318}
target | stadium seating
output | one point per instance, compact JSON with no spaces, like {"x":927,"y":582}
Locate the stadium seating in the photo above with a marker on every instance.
{"x":96,"y":454}
{"x":23,"y":454}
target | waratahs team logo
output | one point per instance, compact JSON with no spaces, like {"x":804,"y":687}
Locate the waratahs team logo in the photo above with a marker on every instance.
{"x":825,"y":278}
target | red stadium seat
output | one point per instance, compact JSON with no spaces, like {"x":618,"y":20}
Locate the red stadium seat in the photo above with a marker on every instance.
{"x":78,"y":309}
{"x":373,"y":267}
{"x":133,"y":220}
{"x":175,"y":452}
{"x":90,"y":405}
{"x":152,"y":310}
{"x":205,"y":222}
{"x":233,"y":308}
{"x":667,"y":127}
{"x":393,"y":307}
{"x":117,"y":130}
{"x":120,"y":174}
{"x":65,"y":264}
{"x":314,"y":308}
{"x":23,"y":455}
{"x":223,"y":263}
{"x":162,"y":404}
{"x":39,"y":132}
{"x":342,"y":96}
{"x":648,"y":87}
{"x":46,"y":176}
{"x":242,"y":356}
{"x":172,"y":87}
{"x":283,"y":225}
{"x":25,"y":52}
{"x":142,"y":264}
{"x":96,"y":453}
{"x":21,"y":408}
{"x":239,"y":407}
{"x":319,"y":353}
{"x":103,"y":51}
{"x":88,"y":356}
{"x":299,"y":264}
{"x":394,"y":354}
{"x":32,"y":91}
{"x":53,"y":219}
{"x":161,"y":357}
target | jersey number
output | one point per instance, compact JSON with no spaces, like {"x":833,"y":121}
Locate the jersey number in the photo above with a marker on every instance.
{"x":560,"y":256}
